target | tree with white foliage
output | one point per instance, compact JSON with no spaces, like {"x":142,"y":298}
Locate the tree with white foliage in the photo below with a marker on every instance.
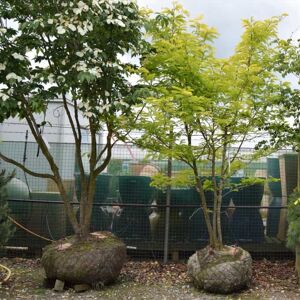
{"x":73,"y":50}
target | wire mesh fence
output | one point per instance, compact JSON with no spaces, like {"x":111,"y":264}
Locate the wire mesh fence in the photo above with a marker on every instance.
{"x":126,"y":204}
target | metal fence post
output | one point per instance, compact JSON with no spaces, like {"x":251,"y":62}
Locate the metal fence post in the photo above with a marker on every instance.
{"x":167,"y":224}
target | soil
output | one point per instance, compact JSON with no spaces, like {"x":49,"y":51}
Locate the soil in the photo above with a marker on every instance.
{"x":150,"y":280}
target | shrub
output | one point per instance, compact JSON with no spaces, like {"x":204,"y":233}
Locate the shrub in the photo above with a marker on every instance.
{"x":293,"y":235}
{"x":6,"y":228}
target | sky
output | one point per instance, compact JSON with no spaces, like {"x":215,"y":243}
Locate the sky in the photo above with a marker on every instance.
{"x":226,"y":16}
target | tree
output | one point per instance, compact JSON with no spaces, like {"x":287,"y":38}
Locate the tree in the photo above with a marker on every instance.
{"x":72,"y":50}
{"x":6,"y":228}
{"x":284,"y":127}
{"x":202,"y":109}
{"x":283,"y":123}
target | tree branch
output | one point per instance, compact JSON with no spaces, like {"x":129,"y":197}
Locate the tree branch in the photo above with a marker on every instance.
{"x":23,"y":168}
{"x":77,"y":120}
{"x":105,"y":162}
{"x":70,"y":117}
{"x":56,"y":175}
{"x":93,"y":156}
{"x":108,"y":143}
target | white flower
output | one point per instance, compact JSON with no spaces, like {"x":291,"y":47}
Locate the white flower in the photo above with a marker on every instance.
{"x":87,"y":107}
{"x":18,"y":56}
{"x":10,"y":91}
{"x":60,"y":30}
{"x":83,"y":6}
{"x":107,"y":94}
{"x":79,"y":53}
{"x":51,"y":78}
{"x":81,"y":30}
{"x":2,"y":67}
{"x":109,"y":19}
{"x":3,"y":30}
{"x":95,"y":71}
{"x":100,"y":109}
{"x":4,"y":97}
{"x":50,"y":21}
{"x":72,"y":27}
{"x":77,"y":11}
{"x":124,"y":103}
{"x":19,"y":103}
{"x":89,"y":26}
{"x":88,"y":114}
{"x":97,"y":51}
{"x":119,"y":22}
{"x":106,"y":107}
{"x":96,"y":3}
{"x":13,"y":76}
{"x":35,"y":76}
{"x":81,"y":66}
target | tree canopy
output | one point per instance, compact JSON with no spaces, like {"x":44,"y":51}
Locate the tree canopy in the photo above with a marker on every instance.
{"x":202,"y":108}
{"x":73,"y":50}
{"x":283,"y":123}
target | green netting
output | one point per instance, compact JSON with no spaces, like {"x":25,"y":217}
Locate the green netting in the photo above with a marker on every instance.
{"x":134,"y":221}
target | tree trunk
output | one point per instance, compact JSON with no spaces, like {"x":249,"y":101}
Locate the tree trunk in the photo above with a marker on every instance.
{"x":219,"y":206}
{"x":68,"y":207}
{"x":215,"y":192}
{"x":85,"y":225}
{"x":220,"y":190}
{"x":213,"y":241}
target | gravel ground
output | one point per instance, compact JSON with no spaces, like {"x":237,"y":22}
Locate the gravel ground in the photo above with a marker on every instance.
{"x":150,"y":280}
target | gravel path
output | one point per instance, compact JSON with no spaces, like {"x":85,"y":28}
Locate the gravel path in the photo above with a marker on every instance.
{"x":151,"y":280}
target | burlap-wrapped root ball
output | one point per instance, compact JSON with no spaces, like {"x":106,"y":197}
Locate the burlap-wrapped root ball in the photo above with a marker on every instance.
{"x":95,"y":261}
{"x":225,"y":271}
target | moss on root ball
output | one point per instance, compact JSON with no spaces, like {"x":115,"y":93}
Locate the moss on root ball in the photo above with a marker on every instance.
{"x":97,"y":260}
{"x":220,"y":271}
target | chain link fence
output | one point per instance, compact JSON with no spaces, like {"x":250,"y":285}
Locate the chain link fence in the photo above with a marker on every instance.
{"x":126,"y":204}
